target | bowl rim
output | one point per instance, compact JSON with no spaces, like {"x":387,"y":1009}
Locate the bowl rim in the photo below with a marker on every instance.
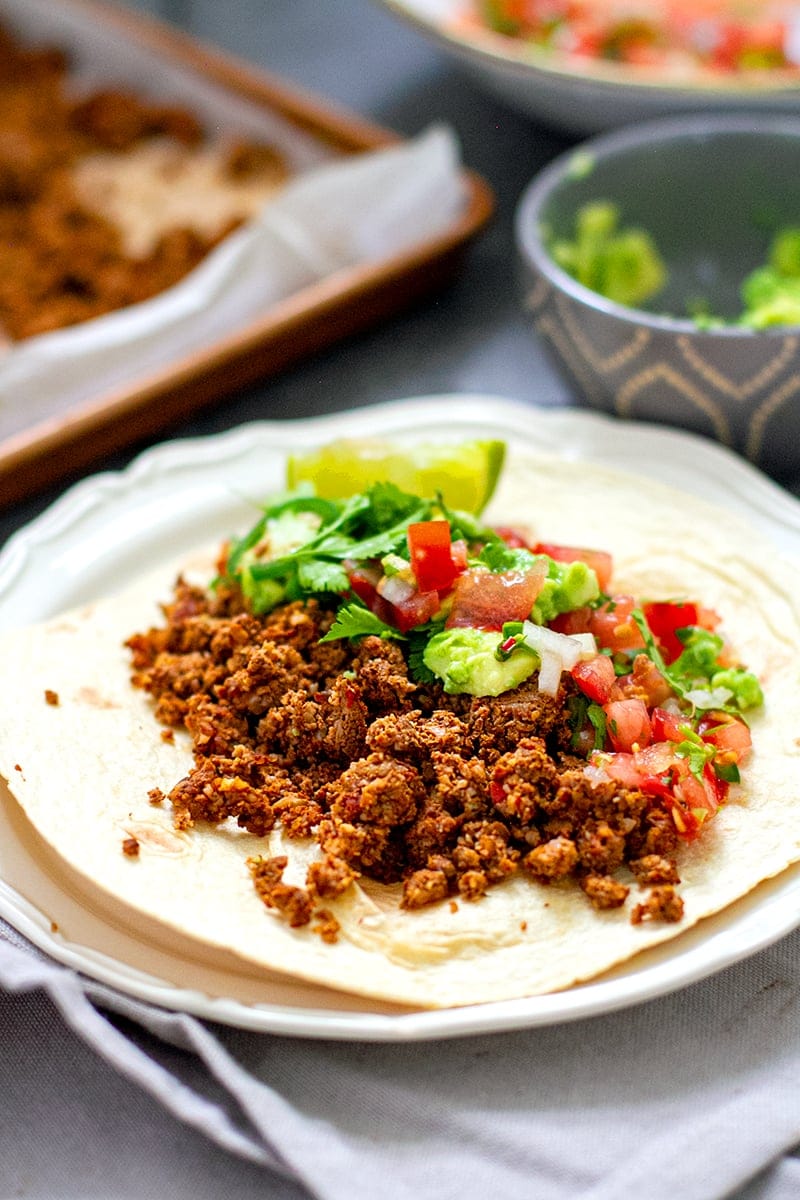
{"x":497,"y":49}
{"x":527,"y":224}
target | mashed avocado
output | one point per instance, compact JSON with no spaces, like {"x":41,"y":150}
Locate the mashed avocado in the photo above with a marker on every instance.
{"x":568,"y":586}
{"x":626,"y":266}
{"x":465,"y":660}
{"x":771,"y":294}
{"x":622,"y":264}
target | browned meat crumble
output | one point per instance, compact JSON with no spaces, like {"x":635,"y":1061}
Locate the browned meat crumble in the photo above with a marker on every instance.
{"x":397,"y":781}
{"x":61,"y":260}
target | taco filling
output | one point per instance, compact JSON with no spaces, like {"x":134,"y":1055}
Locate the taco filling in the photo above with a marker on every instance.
{"x":387,"y":746}
{"x":442,"y":704}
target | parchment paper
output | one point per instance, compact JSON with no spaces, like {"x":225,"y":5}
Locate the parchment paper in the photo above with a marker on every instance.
{"x":334,"y":214}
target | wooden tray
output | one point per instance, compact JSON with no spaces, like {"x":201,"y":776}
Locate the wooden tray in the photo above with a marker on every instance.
{"x":312,"y":318}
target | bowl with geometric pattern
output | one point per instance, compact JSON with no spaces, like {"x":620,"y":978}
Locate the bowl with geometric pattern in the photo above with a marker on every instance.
{"x":715,"y":195}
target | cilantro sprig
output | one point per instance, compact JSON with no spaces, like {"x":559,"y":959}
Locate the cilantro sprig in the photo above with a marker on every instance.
{"x":366,"y":526}
{"x":355,"y":620}
{"x":698,"y":669}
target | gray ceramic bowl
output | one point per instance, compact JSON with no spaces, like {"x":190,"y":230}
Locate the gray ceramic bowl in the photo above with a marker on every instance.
{"x":711,"y":190}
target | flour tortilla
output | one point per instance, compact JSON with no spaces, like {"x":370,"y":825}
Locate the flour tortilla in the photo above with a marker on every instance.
{"x":81,"y":771}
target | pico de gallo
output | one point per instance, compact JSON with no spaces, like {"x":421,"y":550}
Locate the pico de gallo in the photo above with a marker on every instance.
{"x":654,"y":695}
{"x":714,"y":35}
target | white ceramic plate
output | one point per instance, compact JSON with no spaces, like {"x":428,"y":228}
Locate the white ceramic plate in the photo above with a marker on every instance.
{"x":599,"y":95}
{"x":112,"y":526}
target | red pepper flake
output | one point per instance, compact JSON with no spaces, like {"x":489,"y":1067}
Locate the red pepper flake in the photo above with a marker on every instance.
{"x":51,"y":697}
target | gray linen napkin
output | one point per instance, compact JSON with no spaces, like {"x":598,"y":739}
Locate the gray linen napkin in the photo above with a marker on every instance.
{"x":684,"y":1098}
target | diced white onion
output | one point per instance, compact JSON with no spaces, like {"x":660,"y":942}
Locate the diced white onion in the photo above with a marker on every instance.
{"x":557,"y":652}
{"x":589,"y":643}
{"x":595,"y":774}
{"x":550,"y":668}
{"x":709,"y":697}
{"x":394,"y":589}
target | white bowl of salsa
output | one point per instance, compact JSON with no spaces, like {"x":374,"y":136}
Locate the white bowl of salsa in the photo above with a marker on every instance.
{"x":601,"y":63}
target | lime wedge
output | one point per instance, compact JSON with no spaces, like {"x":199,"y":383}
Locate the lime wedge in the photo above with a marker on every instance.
{"x":466,"y":473}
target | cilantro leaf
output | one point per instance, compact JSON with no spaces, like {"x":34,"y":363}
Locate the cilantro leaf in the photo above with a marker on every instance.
{"x":292,"y":502}
{"x":696,"y":752}
{"x":497,"y":556}
{"x":417,"y":641}
{"x":374,"y":545}
{"x":728,"y":772}
{"x":698,"y":659}
{"x":698,"y":666}
{"x":389,"y":505}
{"x":356,"y":621}
{"x":650,"y":648}
{"x":416,"y":663}
{"x":598,"y":719}
{"x":319,"y":575}
{"x":577,"y":707}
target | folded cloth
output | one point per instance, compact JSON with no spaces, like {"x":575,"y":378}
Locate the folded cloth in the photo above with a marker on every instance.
{"x":689,"y":1096}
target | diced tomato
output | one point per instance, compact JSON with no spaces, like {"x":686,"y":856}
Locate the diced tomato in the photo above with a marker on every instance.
{"x":730,"y":736}
{"x":651,"y":684}
{"x":642,"y":54}
{"x":595,"y":678}
{"x":687,"y":807}
{"x":486,"y":600}
{"x":664,"y":618}
{"x":416,"y":609}
{"x":431,"y":558}
{"x":716,"y":789}
{"x":667,"y":725}
{"x":728,"y":47}
{"x":600,"y":562}
{"x":691,"y":791}
{"x":657,"y":785}
{"x":628,"y":724}
{"x":514,"y":538}
{"x":364,"y":581}
{"x":458,"y":553}
{"x":621,"y":767}
{"x":577,"y":621}
{"x":752,"y":44}
{"x":585,"y":42}
{"x":614,"y":627}
{"x":659,"y":759}
{"x":658,"y":772}
{"x":411,"y":609}
{"x":645,"y":682}
{"x":707,"y":618}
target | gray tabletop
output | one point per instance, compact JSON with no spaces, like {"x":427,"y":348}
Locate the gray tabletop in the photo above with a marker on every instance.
{"x":70,"y":1124}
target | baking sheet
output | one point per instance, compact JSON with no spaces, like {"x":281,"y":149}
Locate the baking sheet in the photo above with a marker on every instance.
{"x":344,"y":224}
